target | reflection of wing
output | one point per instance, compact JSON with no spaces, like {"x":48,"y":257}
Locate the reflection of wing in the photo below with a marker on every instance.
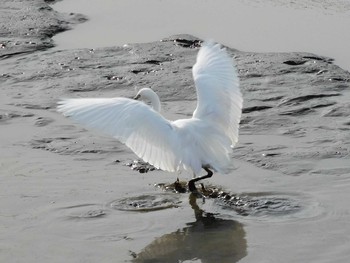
{"x":219,"y":98}
{"x":145,"y":131}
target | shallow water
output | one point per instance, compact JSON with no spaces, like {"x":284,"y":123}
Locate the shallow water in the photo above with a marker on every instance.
{"x":93,"y":209}
{"x":258,"y":26}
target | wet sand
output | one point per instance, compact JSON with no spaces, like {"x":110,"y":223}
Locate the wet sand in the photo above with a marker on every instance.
{"x":67,"y":194}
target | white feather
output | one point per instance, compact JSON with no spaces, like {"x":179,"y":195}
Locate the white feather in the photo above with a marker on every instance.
{"x":203,"y":140}
{"x":219,"y":97}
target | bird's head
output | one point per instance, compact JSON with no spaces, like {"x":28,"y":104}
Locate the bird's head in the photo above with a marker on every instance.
{"x":144,"y":94}
{"x":147,"y":94}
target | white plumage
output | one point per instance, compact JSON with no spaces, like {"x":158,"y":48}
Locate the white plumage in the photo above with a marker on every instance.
{"x":205,"y":140}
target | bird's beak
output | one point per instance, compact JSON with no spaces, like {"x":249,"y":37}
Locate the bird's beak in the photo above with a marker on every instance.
{"x":137,"y":97}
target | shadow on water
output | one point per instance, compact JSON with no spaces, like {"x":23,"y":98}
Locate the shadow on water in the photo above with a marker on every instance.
{"x":208,"y":239}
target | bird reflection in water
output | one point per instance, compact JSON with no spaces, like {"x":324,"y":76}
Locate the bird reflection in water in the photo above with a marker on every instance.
{"x":209,"y":239}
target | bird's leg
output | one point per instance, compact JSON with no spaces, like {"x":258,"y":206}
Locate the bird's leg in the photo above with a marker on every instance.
{"x":191,"y":185}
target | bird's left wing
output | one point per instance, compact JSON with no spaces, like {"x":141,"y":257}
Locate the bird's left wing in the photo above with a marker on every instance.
{"x":138,"y":126}
{"x":219,"y":97}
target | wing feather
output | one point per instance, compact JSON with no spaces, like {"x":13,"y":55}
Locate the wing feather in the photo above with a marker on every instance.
{"x":133,"y":123}
{"x":219,"y":99}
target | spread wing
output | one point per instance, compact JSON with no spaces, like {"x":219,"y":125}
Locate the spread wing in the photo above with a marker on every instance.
{"x":143,"y":130}
{"x":218,"y":94}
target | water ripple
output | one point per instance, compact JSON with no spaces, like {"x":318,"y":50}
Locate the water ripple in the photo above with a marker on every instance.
{"x":146,"y":202}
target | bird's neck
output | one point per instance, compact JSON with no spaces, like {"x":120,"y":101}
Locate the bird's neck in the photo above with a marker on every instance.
{"x":155,"y":102}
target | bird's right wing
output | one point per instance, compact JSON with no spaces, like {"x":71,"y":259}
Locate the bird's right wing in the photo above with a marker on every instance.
{"x":138,"y":126}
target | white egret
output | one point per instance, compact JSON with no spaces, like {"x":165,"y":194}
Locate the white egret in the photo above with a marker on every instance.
{"x":204,"y":141}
